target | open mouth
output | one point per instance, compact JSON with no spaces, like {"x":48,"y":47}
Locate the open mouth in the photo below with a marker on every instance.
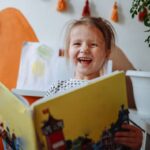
{"x":84,"y":60}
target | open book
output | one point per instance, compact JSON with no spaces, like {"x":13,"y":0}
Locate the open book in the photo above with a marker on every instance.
{"x":51,"y":121}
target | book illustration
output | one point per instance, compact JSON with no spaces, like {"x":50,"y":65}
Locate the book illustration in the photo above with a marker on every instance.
{"x":53,"y":131}
{"x":10,"y":141}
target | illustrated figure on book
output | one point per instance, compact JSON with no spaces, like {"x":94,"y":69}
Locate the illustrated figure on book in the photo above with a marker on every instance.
{"x":10,"y":141}
{"x":88,"y":45}
{"x":53,"y":130}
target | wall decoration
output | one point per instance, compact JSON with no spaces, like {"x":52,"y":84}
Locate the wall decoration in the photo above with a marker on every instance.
{"x":35,"y":71}
{"x":14,"y":30}
{"x":114,"y":15}
{"x":62,"y":5}
{"x":86,"y":9}
{"x":142,"y":14}
{"x":141,"y":9}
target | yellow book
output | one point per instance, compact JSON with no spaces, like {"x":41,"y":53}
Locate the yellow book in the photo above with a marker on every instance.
{"x":49,"y":122}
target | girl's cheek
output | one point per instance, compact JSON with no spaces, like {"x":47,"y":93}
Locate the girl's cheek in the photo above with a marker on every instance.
{"x":70,"y":52}
{"x":73,"y":60}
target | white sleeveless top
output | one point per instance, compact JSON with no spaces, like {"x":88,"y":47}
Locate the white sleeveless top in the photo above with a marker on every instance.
{"x":64,"y":85}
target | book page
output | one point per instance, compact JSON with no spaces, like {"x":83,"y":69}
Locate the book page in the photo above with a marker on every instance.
{"x":16,"y":125}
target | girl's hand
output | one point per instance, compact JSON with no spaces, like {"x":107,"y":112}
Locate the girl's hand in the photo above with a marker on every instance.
{"x":131,"y":138}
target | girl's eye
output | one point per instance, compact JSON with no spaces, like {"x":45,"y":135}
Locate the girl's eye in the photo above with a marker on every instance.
{"x":76,"y":44}
{"x":94,"y":45}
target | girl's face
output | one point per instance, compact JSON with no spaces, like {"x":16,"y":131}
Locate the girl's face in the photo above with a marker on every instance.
{"x":87,"y":51}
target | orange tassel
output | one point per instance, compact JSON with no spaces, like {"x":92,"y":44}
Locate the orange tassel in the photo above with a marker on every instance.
{"x":86,"y":9}
{"x":114,"y":16}
{"x":62,"y":6}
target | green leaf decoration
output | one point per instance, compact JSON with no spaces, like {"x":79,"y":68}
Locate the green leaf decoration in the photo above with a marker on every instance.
{"x":139,"y":6}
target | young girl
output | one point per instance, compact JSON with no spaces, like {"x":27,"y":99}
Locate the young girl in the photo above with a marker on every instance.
{"x":88,"y":45}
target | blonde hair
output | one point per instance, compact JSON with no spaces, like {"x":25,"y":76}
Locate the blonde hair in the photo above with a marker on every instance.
{"x":101,"y":24}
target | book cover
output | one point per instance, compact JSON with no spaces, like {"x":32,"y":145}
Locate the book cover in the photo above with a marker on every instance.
{"x":51,"y":121}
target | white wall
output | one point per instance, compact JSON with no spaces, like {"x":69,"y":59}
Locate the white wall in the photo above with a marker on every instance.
{"x":48,"y":23}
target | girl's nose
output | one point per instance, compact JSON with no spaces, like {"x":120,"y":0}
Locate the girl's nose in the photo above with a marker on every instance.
{"x":84,"y":48}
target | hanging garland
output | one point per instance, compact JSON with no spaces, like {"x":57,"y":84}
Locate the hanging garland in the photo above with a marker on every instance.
{"x":114,"y":15}
{"x":86,"y":9}
{"x":62,"y":5}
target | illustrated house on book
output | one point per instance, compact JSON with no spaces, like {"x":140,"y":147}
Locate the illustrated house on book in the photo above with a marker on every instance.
{"x":53,"y":131}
